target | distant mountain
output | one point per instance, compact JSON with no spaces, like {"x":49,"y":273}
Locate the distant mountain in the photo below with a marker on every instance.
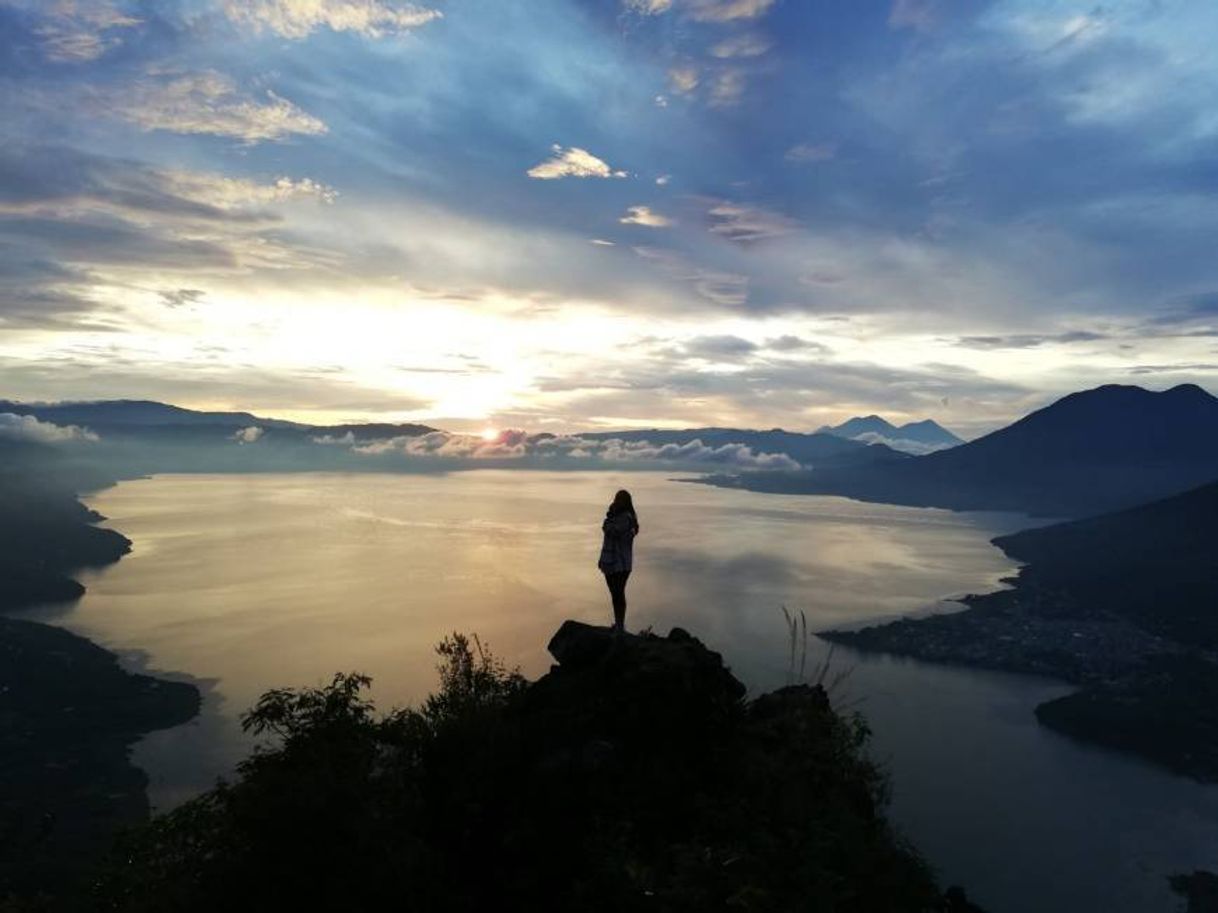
{"x":821,"y":450}
{"x":1098,"y":450}
{"x":145,"y":416}
{"x":128,"y":412}
{"x":917,"y":438}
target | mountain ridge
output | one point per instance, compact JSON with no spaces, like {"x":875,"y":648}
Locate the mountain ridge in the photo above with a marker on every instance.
{"x":1090,"y":452}
{"x":926,"y":431}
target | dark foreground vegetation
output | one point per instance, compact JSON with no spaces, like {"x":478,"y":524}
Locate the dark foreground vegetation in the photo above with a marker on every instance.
{"x":633,"y":776}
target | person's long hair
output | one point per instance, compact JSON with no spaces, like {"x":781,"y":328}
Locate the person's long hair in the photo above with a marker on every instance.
{"x":622,"y":502}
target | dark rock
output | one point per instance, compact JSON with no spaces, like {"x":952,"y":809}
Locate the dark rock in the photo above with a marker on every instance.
{"x":1200,"y":889}
{"x":576,"y":643}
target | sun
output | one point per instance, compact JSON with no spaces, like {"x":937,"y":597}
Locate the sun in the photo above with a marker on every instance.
{"x":489,"y":434}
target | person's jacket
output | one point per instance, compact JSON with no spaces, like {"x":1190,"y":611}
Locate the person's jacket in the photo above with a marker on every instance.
{"x":617,"y":551}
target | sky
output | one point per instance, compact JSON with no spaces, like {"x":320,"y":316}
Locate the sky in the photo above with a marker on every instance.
{"x":565,"y":215}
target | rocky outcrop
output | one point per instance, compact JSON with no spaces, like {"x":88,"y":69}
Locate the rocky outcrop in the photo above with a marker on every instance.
{"x":634,"y":775}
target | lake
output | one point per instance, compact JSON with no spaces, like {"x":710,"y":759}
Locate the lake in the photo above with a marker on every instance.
{"x":245,"y":582}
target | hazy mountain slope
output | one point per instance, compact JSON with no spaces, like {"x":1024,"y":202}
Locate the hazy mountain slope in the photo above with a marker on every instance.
{"x":1090,"y":452}
{"x":144,"y":417}
{"x":133,"y":413}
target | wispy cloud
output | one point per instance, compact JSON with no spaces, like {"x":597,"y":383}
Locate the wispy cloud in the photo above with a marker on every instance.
{"x":207,"y":102}
{"x":742,"y":223}
{"x":919,"y":15}
{"x":74,"y":225}
{"x":747,"y":44}
{"x":81,"y":183}
{"x":727,"y":10}
{"x":78,"y":31}
{"x":722,"y":288}
{"x":572,"y":162}
{"x":1028,"y":340}
{"x":300,"y":18}
{"x":727,"y":87}
{"x":643,"y":215}
{"x":811,"y":152}
{"x":703,"y":10}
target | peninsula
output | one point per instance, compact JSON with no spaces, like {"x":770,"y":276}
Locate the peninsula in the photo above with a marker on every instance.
{"x":1121,"y":605}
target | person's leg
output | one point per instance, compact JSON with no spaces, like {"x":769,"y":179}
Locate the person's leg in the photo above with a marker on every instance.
{"x":619,"y":600}
{"x":611,"y":581}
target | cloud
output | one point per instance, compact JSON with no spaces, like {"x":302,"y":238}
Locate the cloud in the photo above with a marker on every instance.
{"x":79,"y":231}
{"x":206,"y":102}
{"x":572,"y":163}
{"x":737,"y":455}
{"x":1186,"y":309}
{"x":79,"y":31}
{"x":918,"y":15}
{"x":347,"y":439}
{"x":745,"y":224}
{"x":790,"y":343}
{"x":703,"y":10}
{"x":547,"y":449}
{"x":811,"y":152}
{"x":719,"y":348}
{"x":643,"y":215}
{"x":180,"y":297}
{"x":648,"y":7}
{"x":683,"y":79}
{"x":663,"y":383}
{"x":248,"y":435}
{"x":300,"y":18}
{"x":727,"y":10}
{"x":917,"y":448}
{"x":232,"y":193}
{"x":715,"y":285}
{"x":1027,"y":340}
{"x":60,"y":182}
{"x":1198,"y":367}
{"x":727,"y":87}
{"x":747,"y":44}
{"x":27,"y":428}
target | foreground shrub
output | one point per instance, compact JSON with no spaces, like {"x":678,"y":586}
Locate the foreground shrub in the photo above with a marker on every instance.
{"x":634,"y":776}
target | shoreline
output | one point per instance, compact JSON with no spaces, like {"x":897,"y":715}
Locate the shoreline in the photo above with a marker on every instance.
{"x":71,"y":712}
{"x":1135,"y":692}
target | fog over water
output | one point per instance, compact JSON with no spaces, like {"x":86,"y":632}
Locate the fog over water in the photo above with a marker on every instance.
{"x":251,"y":582}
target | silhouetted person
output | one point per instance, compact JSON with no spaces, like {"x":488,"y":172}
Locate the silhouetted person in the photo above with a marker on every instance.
{"x":621,"y":525}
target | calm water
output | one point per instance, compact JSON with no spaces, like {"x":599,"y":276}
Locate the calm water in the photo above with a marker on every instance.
{"x":249,"y":582}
